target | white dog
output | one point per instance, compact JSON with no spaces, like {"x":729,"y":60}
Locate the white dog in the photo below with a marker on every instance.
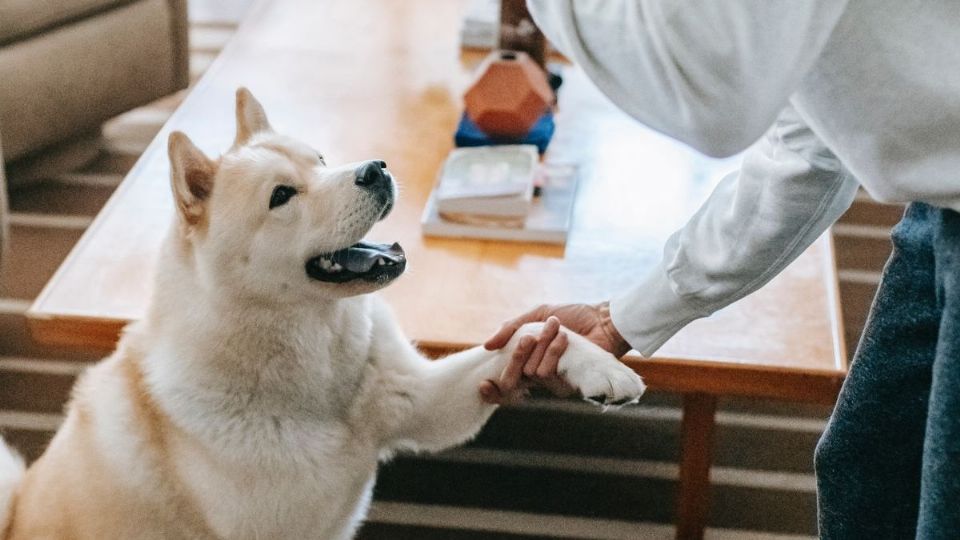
{"x":257,"y":395}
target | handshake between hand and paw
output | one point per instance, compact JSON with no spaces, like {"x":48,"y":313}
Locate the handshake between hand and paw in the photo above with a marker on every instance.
{"x":535,"y":359}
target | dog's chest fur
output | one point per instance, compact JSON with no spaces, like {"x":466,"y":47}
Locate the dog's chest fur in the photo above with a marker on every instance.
{"x":269,"y":413}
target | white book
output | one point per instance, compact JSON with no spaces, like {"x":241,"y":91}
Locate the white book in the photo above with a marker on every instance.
{"x":548,"y":221}
{"x":488,"y":181}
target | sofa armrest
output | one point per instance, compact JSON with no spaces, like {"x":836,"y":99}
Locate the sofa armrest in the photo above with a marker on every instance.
{"x":66,"y":82}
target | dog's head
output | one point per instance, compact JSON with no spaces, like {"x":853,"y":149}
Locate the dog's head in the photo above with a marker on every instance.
{"x":270,"y":220}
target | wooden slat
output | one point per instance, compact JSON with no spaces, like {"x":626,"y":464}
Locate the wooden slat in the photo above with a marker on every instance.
{"x":30,"y":444}
{"x":387,"y":531}
{"x":640,"y":498}
{"x":857,"y":298}
{"x":868,"y":253}
{"x":38,"y":252}
{"x":34,"y":392}
{"x":868,"y":212}
{"x":59,"y":198}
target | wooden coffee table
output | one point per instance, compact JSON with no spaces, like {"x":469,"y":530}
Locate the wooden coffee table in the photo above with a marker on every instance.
{"x":378,"y":79}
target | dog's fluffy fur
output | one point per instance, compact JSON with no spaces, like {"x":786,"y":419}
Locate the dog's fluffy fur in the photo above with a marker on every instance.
{"x":253,"y":401}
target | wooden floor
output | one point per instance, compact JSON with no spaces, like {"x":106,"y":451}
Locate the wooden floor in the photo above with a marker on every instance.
{"x":548,"y":469}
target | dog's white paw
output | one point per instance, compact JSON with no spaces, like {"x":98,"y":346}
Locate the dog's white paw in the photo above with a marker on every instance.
{"x":598,"y":376}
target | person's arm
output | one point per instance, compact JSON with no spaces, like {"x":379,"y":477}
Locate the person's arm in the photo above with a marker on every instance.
{"x":789,"y":189}
{"x":713,"y":74}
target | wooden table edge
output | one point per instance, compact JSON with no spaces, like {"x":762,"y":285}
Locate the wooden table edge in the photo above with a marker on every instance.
{"x":719,"y":378}
{"x":677,"y":374}
{"x":86,"y":333}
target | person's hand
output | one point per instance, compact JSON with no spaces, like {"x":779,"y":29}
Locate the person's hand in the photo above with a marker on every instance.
{"x":535,"y":359}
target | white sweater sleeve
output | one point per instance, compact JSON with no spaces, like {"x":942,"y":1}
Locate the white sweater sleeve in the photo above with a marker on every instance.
{"x":789,"y":189}
{"x":711,"y":73}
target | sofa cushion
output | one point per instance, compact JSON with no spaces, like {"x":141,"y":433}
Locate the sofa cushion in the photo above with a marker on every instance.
{"x":69,"y":80}
{"x":22,"y":18}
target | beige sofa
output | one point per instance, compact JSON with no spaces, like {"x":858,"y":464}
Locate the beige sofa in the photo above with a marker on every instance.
{"x":3,"y":207}
{"x":66,"y":66}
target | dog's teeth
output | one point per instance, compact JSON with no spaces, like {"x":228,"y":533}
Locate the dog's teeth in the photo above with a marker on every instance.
{"x":336,"y":267}
{"x":381,"y":262}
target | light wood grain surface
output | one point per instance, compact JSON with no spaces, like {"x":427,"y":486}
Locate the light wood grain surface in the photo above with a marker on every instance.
{"x":378,"y":79}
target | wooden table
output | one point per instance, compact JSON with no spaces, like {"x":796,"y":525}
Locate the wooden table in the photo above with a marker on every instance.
{"x":377,"y":79}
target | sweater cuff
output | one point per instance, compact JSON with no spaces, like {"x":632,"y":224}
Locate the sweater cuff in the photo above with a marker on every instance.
{"x":650,"y":312}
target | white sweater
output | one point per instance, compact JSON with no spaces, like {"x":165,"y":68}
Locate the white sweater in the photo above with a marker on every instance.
{"x":839,"y":94}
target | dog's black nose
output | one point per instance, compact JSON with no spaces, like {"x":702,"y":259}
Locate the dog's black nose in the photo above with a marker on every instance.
{"x":372,"y":175}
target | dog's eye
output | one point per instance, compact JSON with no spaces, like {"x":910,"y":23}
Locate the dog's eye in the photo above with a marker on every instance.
{"x":280,"y":195}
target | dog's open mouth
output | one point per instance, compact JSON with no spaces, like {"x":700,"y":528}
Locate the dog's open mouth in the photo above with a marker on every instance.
{"x":363,"y":260}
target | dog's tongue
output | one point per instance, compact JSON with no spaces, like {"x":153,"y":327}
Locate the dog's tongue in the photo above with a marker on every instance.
{"x":363,"y":256}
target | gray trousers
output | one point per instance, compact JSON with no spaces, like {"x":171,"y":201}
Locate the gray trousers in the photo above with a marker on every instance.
{"x":888,"y":465}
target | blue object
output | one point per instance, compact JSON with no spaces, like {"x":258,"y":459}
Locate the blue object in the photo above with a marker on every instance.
{"x":468,"y":134}
{"x":887,"y":465}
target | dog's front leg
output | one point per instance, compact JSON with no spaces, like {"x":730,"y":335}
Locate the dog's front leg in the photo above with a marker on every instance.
{"x":443,"y":404}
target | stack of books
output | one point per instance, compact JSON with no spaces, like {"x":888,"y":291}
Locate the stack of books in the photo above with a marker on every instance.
{"x":489,"y":192}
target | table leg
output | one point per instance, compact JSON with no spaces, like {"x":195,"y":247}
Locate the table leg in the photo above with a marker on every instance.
{"x":696,"y":447}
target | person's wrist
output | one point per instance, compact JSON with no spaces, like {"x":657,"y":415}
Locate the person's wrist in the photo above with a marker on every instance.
{"x":619,"y":346}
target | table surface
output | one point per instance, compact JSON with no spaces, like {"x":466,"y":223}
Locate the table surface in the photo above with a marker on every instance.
{"x":378,"y":79}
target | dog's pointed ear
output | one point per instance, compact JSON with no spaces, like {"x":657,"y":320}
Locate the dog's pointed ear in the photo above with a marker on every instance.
{"x":191,"y":177}
{"x":251,"y":118}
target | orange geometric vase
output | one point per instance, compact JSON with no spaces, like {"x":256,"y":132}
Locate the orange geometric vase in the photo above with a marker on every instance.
{"x":508,"y":95}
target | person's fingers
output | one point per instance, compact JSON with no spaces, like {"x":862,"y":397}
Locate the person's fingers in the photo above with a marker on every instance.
{"x":551,"y":357}
{"x":510,"y":377}
{"x":490,"y":393}
{"x":503,"y":335}
{"x":509,"y":328}
{"x":547,"y":335}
